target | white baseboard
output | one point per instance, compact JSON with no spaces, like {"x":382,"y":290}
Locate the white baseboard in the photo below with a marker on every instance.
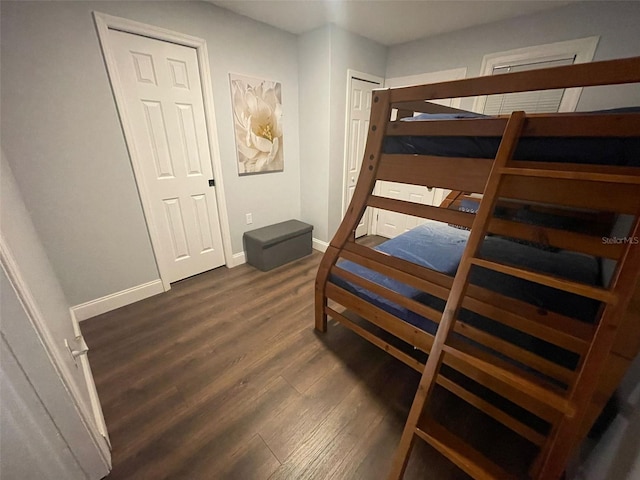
{"x":320,"y":245}
{"x":116,"y":300}
{"x":237,"y":259}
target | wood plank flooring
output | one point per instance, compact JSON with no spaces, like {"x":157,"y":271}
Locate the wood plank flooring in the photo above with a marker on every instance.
{"x":223,"y":377}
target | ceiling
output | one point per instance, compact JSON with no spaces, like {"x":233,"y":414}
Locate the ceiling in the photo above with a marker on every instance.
{"x":388,"y":22}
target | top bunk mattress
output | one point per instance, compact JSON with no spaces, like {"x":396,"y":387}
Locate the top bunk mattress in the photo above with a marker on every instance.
{"x":614,"y":151}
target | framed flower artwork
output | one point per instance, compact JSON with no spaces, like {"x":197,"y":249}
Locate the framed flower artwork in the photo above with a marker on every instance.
{"x":257,"y":122}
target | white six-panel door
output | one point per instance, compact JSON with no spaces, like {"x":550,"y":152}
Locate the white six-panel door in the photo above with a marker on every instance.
{"x":164,"y":105}
{"x":357,"y":126}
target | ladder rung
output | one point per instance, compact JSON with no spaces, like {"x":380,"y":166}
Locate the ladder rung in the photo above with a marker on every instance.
{"x":533,"y":390}
{"x":459,"y":452}
{"x":548,"y":280}
{"x":571,"y":175}
{"x":494,"y":412}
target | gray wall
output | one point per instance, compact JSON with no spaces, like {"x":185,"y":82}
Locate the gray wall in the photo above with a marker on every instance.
{"x":325,"y":55}
{"x":27,"y":250}
{"x":314,"y":64}
{"x":62,"y":136}
{"x":348,"y":51}
{"x":617,"y":24}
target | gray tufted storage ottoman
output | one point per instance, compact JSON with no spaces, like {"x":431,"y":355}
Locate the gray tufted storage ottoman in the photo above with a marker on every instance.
{"x":272,"y":246}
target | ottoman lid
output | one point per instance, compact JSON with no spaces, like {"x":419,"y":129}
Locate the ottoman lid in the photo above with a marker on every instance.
{"x":279,"y":232}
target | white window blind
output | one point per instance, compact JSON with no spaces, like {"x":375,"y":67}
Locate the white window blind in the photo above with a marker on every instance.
{"x":544,"y":101}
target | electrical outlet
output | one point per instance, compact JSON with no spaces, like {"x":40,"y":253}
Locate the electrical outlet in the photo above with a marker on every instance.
{"x":249,"y":219}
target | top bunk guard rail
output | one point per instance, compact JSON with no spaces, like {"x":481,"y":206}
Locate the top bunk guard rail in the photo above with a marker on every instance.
{"x":610,"y":72}
{"x":566,"y":398}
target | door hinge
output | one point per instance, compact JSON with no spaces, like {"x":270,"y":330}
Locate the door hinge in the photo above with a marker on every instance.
{"x":212,"y":182}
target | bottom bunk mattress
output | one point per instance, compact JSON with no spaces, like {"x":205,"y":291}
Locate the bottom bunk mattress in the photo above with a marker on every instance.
{"x":439,"y":247}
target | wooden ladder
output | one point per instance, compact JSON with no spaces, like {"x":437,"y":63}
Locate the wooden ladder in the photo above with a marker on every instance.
{"x":570,"y":405}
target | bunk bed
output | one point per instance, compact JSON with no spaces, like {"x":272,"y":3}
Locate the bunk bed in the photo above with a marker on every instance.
{"x":535,"y":296}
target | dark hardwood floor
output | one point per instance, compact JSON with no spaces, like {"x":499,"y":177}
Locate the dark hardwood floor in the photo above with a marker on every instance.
{"x":223,"y":377}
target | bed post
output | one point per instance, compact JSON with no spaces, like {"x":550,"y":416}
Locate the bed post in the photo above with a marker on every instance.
{"x":380,"y":115}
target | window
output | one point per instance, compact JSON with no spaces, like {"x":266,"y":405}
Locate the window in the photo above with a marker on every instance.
{"x":531,"y":58}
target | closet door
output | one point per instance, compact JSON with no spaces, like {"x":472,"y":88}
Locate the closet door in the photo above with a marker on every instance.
{"x":164,"y":108}
{"x":358,"y":113}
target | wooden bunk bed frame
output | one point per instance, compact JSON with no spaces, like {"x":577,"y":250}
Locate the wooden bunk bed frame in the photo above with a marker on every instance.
{"x":605,"y":349}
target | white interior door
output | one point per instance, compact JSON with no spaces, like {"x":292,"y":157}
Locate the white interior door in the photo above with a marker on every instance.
{"x":390,"y":224}
{"x":164,"y":108}
{"x":358,"y":113}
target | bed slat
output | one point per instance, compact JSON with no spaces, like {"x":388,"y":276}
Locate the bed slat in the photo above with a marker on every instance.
{"x":377,"y":341}
{"x":619,"y":171}
{"x":466,"y":127}
{"x":572,"y":175}
{"x":525,"y":357}
{"x":601,"y":196}
{"x":424,"y":211}
{"x":548,"y":280}
{"x":380,"y":318}
{"x":422,"y":278}
{"x":507,"y":420}
{"x":507,"y":374}
{"x":565,"y":332}
{"x":417,"y":307}
{"x":576,"y":242}
{"x":466,"y":174}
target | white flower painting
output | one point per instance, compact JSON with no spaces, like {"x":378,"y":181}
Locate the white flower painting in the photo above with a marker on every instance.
{"x":257,"y":119}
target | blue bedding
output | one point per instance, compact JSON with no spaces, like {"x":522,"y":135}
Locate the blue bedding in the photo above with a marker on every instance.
{"x":439,"y":246}
{"x":587,"y":150}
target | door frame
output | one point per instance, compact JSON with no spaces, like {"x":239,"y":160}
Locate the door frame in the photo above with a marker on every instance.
{"x":367,"y":77}
{"x":106,"y":22}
